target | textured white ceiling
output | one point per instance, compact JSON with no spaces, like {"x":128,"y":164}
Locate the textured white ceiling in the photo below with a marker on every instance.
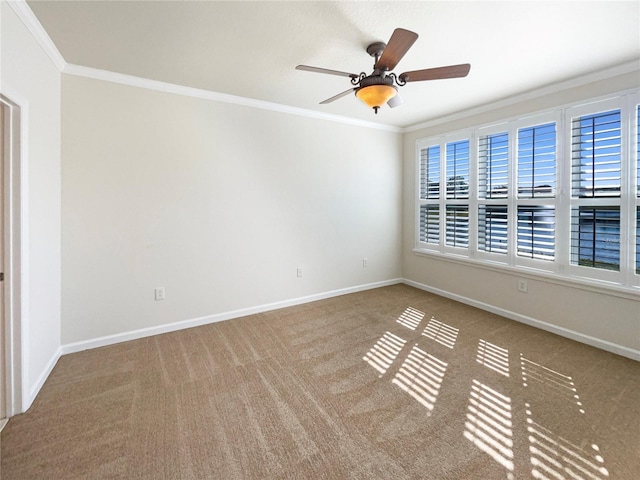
{"x":250,"y":49}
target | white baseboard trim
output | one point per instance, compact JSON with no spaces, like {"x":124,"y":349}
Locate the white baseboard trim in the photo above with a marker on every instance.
{"x":35,"y":388}
{"x":219,"y":317}
{"x":563,"y":332}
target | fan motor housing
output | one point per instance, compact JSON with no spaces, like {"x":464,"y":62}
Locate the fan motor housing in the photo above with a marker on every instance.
{"x":376,"y":80}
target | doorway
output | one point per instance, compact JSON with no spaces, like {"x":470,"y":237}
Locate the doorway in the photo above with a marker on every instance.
{"x":3,"y":376}
{"x":11,"y":131}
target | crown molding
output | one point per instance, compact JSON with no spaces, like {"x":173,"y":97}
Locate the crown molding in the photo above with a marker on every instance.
{"x":628,"y":67}
{"x":133,"y":81}
{"x":28,"y":18}
{"x":24,"y":13}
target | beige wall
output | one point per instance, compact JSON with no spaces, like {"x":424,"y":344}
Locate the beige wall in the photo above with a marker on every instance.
{"x":218,"y":203}
{"x":610,"y":320}
{"x":29,"y":77}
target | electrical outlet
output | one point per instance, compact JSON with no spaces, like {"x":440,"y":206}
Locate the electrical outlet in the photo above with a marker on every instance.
{"x":365,"y":262}
{"x":299,"y":272}
{"x":159,"y":293}
{"x":522,"y":285}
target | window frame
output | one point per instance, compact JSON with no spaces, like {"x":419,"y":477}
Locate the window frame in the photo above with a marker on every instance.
{"x":442,"y":201}
{"x":618,"y":103}
{"x":560,"y":268}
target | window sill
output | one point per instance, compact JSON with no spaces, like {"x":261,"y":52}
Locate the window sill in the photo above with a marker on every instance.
{"x":596,"y":286}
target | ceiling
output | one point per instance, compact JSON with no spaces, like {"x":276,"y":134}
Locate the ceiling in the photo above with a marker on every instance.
{"x":250,"y":49}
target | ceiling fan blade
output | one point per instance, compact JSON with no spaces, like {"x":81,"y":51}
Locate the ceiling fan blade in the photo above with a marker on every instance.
{"x":395,"y":101}
{"x":307,"y":68}
{"x":336,"y":97}
{"x":399,"y":44}
{"x":452,"y":71}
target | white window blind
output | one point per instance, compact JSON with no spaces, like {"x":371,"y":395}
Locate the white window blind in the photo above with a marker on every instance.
{"x":537,"y":161}
{"x":596,"y":182}
{"x":536,"y":232}
{"x":638,"y":240}
{"x":536,"y":178}
{"x":458,"y":169}
{"x":557,"y":192}
{"x":493,"y":165}
{"x":430,"y":224}
{"x":595,"y":237}
{"x":596,"y":152}
{"x":430,"y":172}
{"x":637,"y":122}
{"x":457,"y":224}
{"x":638,"y":151}
{"x":493,"y":233}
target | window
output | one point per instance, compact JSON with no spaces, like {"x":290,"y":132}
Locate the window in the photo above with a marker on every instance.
{"x":536,"y":232}
{"x":595,"y":237}
{"x":458,"y":169}
{"x":444,"y":212}
{"x":637,"y":122}
{"x":558,"y":192}
{"x":493,"y":233}
{"x":596,"y":175}
{"x":537,"y":161}
{"x":430,"y":172}
{"x":457,"y":226}
{"x":638,"y":151}
{"x":430,"y":190}
{"x":457,"y":214}
{"x":493,"y":188}
{"x":429,"y":224}
{"x":493,"y":160}
{"x":596,"y":155}
{"x":638,"y":240}
{"x":536,"y":178}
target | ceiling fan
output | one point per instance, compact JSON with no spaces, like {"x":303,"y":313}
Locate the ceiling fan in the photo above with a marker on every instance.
{"x":381,"y":86}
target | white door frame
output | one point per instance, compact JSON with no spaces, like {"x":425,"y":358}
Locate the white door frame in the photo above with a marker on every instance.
{"x":15,"y":238}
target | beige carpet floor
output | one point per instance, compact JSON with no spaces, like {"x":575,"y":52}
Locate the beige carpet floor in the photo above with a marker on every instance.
{"x":392,"y":383}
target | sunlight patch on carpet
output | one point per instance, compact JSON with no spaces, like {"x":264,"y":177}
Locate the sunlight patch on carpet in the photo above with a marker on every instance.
{"x":411,"y":318}
{"x":552,"y":381}
{"x":421,"y":376}
{"x":555,"y":457}
{"x":441,"y":332}
{"x":382,"y":355}
{"x":493,"y":357}
{"x":489,"y":425}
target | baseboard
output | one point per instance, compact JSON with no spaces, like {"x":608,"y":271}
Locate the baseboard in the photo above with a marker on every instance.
{"x":549,"y":327}
{"x":147,"y":332}
{"x":28,"y":399}
{"x":219,"y":317}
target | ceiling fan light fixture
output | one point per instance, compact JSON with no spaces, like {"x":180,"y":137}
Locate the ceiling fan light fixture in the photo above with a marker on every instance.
{"x":381,"y":86}
{"x":374,"y":96}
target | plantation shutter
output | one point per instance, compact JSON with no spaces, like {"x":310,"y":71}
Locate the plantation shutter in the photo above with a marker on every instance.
{"x":429,"y":223}
{"x":493,"y":159}
{"x":457,"y":162}
{"x":457,"y":225}
{"x":596,"y":153}
{"x":537,"y":161}
{"x":492,"y":228}
{"x":536,"y":232}
{"x":430,"y":172}
{"x":638,"y":240}
{"x":595,"y":237}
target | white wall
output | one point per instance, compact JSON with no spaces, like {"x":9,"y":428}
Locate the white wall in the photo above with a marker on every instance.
{"x":218,"y":203}
{"x":598,"y":318}
{"x":28,"y":73}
